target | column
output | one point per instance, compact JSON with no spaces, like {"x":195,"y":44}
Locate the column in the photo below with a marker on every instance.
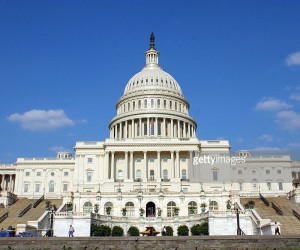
{"x":140,"y":121}
{"x":10,"y":182}
{"x":126,"y":166}
{"x":13,"y":183}
{"x":178,"y":129}
{"x":145,"y":172}
{"x":172,"y":164}
{"x":132,"y":128}
{"x":172,"y":128}
{"x":131,"y":165}
{"x":177,"y":170}
{"x":155,"y":126}
{"x":2,"y":182}
{"x":191,"y":167}
{"x":112,"y":175}
{"x":188,"y":130}
{"x":184,"y":129}
{"x":121,"y":129}
{"x":158,"y":166}
{"x":106,"y":165}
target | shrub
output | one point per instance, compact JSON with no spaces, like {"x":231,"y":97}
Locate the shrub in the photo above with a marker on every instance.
{"x":204,"y":228}
{"x":196,"y":230}
{"x":103,"y":230}
{"x":183,"y":230}
{"x":133,"y":231}
{"x":117,"y":231}
{"x":169,"y":231}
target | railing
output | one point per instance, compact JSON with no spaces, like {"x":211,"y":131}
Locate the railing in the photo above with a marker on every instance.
{"x":3,"y":217}
{"x":267,"y":203}
{"x":294,"y":213}
{"x":278,"y":210}
{"x":38,"y":202}
{"x":25,"y":210}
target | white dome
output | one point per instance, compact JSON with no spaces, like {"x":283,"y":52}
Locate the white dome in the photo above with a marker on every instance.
{"x":152,"y":77}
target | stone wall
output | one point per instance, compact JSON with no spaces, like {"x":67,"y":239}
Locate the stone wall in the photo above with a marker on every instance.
{"x":160,"y":243}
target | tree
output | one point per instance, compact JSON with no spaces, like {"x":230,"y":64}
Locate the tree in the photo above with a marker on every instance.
{"x":133,"y":231}
{"x":117,"y":231}
{"x":183,"y":230}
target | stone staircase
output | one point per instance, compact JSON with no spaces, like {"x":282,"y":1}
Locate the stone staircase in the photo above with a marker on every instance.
{"x":289,"y":223}
{"x":32,"y":215}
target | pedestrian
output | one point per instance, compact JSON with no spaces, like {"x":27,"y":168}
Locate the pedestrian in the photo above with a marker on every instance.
{"x":277,"y":229}
{"x":71,"y":231}
{"x":164,"y":233}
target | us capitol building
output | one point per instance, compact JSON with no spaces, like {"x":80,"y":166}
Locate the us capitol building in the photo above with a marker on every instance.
{"x":152,"y":168}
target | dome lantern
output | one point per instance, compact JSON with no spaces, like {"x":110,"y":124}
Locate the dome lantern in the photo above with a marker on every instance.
{"x":152,"y":54}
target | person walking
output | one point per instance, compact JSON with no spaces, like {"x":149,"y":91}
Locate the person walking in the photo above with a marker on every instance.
{"x":71,"y":231}
{"x":277,"y":229}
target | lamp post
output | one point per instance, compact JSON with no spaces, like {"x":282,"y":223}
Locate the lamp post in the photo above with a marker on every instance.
{"x":238,"y":229}
{"x":51,"y":222}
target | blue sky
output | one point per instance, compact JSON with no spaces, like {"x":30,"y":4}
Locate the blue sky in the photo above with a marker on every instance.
{"x":64,"y":64}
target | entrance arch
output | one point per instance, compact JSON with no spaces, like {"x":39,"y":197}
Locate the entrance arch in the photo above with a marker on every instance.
{"x":150,"y":209}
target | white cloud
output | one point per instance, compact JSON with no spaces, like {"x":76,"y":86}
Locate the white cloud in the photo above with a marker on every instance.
{"x":41,"y":120}
{"x":58,"y":149}
{"x":271,"y":104}
{"x":266,"y":138}
{"x":293,"y":59}
{"x":295,"y":97}
{"x":289,"y":120}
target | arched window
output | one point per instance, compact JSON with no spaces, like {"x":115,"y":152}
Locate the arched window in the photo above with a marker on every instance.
{"x":176,"y":106}
{"x":133,"y":105}
{"x":158,"y":103}
{"x":145,"y":103}
{"x":140,"y":104}
{"x":51,"y":186}
{"x":165,"y":104}
{"x":165,"y":174}
{"x":171,"y":105}
{"x":87,"y":207}
{"x":145,"y":128}
{"x":138,"y":174}
{"x":152,"y":175}
{"x":213,"y":206}
{"x":152,"y":103}
{"x":193,"y":207}
{"x":108,"y":208}
{"x":183,"y":174}
{"x":129,"y":209}
{"x":171,"y":209}
{"x":120,"y":175}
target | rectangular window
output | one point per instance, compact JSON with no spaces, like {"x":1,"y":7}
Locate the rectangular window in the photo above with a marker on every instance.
{"x":158,"y":128}
{"x":89,"y":176}
{"x":152,"y":126}
{"x":241,"y":186}
{"x":183,"y":159}
{"x":215,"y":175}
{"x":90,"y":160}
{"x":37,"y":188}
{"x":269,"y":185}
{"x":26,"y":188}
{"x":66,"y":173}
{"x":138,"y":160}
{"x":165,"y":159}
{"x":280,"y":186}
{"x":151,"y":159}
{"x":278,"y":171}
{"x":240,"y":171}
{"x":145,"y":128}
{"x":27,"y":173}
{"x":65,"y":188}
{"x":38,"y":173}
{"x":267,"y":171}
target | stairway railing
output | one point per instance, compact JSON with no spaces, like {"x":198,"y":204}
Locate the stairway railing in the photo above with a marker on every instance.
{"x":3,"y":217}
{"x":25,"y":210}
{"x":296,"y":214}
{"x":278,"y":210}
{"x":38,"y":202}
{"x":267,"y":203}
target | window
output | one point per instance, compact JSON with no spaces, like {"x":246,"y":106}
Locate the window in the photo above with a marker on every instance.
{"x":90,"y":160}
{"x":254,"y":184}
{"x":193,"y":207}
{"x":165,"y":159}
{"x":278,"y":171}
{"x":280,"y":186}
{"x":215,"y":175}
{"x":133,"y":105}
{"x":158,"y":103}
{"x":241,"y":186}
{"x":152,"y":126}
{"x":171,"y":209}
{"x":37,"y":188}
{"x":152,"y":103}
{"x":151,"y":175}
{"x":89,"y":176}
{"x":87,"y":207}
{"x":165,"y":174}
{"x":170,"y":104}
{"x":51,"y":186}
{"x":65,"y":188}
{"x":165,"y":104}
{"x":129,"y":209}
{"x":267,"y":171}
{"x":175,"y":105}
{"x":151,"y":159}
{"x":38,"y":173}
{"x":66,"y":173}
{"x":140,"y":104}
{"x":253,"y":172}
{"x":120,"y":175}
{"x":159,"y":128}
{"x":269,"y":185}
{"x":26,"y":188}
{"x":183,"y":174}
{"x":145,"y":103}
{"x":183,"y":159}
{"x":120,"y":159}
{"x":52,"y":173}
{"x":138,"y":159}
{"x":27,"y":173}
{"x":213,"y":206}
{"x":145,"y":128}
{"x":108,"y":208}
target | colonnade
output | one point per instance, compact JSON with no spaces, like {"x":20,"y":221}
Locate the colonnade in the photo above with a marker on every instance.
{"x":7,"y":182}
